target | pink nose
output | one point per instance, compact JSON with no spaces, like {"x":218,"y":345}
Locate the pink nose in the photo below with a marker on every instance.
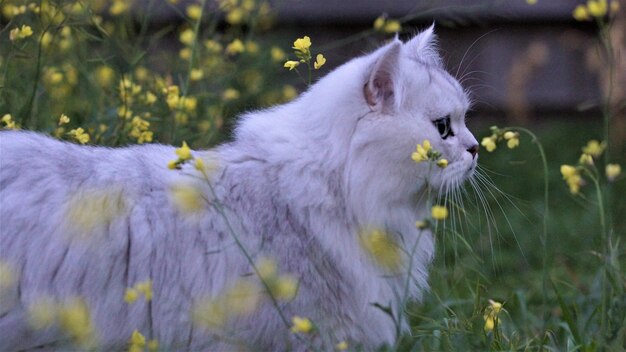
{"x":473,"y":150}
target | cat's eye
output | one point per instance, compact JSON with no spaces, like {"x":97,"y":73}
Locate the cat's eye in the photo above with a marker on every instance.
{"x":443,"y":126}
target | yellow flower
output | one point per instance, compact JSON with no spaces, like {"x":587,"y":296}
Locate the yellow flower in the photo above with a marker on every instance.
{"x":42,"y":314}
{"x":153,"y":345}
{"x":104,"y":76}
{"x":439,"y":212}
{"x":491,"y":315}
{"x":341,"y":346}
{"x":118,"y":7}
{"x":266,"y":268}
{"x":291,"y":64}
{"x":63,"y":119}
{"x":301,"y":325}
{"x":131,"y":295}
{"x":80,"y":135}
{"x":212,"y":46}
{"x":442,"y":163}
{"x":512,"y":139}
{"x":145,"y":288}
{"x":320,"y":60}
{"x":235,"y":47}
{"x":185,"y":53}
{"x":196,"y":74}
{"x":137,"y":339}
{"x":75,"y":320}
{"x":421,"y":152}
{"x":285,"y":288}
{"x":379,"y":23}
{"x":20,"y":33}
{"x":235,"y":16}
{"x":194,"y":11}
{"x":173,"y":164}
{"x":184,"y":153}
{"x":150,"y":98}
{"x":8,"y":121}
{"x":302,"y":44}
{"x":187,"y":37}
{"x":489,"y":143}
{"x":382,"y":248}
{"x":597,"y":8}
{"x":187,"y":198}
{"x":585,"y":159}
{"x":568,"y":171}
{"x":277,"y":54}
{"x":230,"y":94}
{"x":531,"y":2}
{"x":199,"y":164}
{"x":580,"y":13}
{"x":392,"y":26}
{"x":6,"y":276}
{"x":594,"y":148}
{"x":612,"y":171}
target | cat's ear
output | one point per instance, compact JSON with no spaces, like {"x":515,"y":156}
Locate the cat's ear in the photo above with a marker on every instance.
{"x":423,"y":47}
{"x":381,"y":88}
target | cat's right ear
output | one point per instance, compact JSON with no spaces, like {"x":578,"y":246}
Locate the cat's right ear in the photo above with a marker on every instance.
{"x":380,"y":91}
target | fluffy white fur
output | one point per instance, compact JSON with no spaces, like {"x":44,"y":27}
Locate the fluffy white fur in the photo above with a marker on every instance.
{"x":297,"y":184}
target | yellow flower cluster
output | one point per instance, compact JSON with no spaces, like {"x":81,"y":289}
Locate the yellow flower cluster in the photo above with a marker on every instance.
{"x":572,"y":177}
{"x":497,"y":135}
{"x":301,"y":325}
{"x":594,"y":148}
{"x":385,"y":25}
{"x":382,"y":247}
{"x":239,"y":12}
{"x":141,"y":288}
{"x":7,"y":119}
{"x":425,"y":152}
{"x":281,"y":287}
{"x":240,"y":299}
{"x":139,"y":130}
{"x":302,"y":50}
{"x":20,"y":33}
{"x":586,"y":163}
{"x":79,"y":135}
{"x":595,"y":9}
{"x":89,"y":209}
{"x":137,"y":343}
{"x":72,"y":316}
{"x":491,"y":315}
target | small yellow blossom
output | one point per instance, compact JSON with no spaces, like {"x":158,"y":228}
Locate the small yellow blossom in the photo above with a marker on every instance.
{"x":301,"y":325}
{"x":382,"y":247}
{"x":20,"y":33}
{"x":75,"y":320}
{"x":341,"y":346}
{"x":185,"y":53}
{"x":118,"y":7}
{"x":379,"y":23}
{"x":291,"y":64}
{"x":184,"y":153}
{"x":594,"y":148}
{"x":597,"y":8}
{"x":151,"y":98}
{"x":421,"y":152}
{"x":277,"y":54}
{"x":187,"y":36}
{"x":568,"y":171}
{"x":284,"y":288}
{"x":63,"y":119}
{"x":320,"y":60}
{"x":235,"y":16}
{"x":531,"y":2}
{"x":612,"y":171}
{"x":580,"y":13}
{"x":7,"y":119}
{"x":131,"y":295}
{"x":212,"y":46}
{"x":196,"y":74}
{"x":572,"y":177}
{"x":173,"y":164}
{"x":491,"y":315}
{"x":199,"y":164}
{"x":439,"y":212}
{"x":585,"y":159}
{"x":489,"y":143}
{"x":6,"y":276}
{"x":187,"y":198}
{"x":230,"y":94}
{"x":235,"y":47}
{"x":137,"y":339}
{"x":289,"y":92}
{"x":267,"y":268}
{"x":80,"y":135}
{"x":104,"y":76}
{"x":145,"y":287}
{"x":153,"y":345}
{"x":302,"y":44}
{"x":392,"y":26}
{"x":194,"y":11}
{"x":442,"y":163}
{"x":42,"y":313}
{"x":512,"y":139}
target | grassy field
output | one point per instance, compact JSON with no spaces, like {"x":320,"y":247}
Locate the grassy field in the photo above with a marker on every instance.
{"x":511,"y":272}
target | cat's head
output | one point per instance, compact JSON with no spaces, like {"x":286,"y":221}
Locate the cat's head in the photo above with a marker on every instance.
{"x":406,"y":98}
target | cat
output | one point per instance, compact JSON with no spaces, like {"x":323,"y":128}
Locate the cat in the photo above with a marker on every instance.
{"x":298,"y":185}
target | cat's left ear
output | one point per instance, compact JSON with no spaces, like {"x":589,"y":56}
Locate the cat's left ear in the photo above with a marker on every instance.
{"x":381,"y":88}
{"x":423,"y":47}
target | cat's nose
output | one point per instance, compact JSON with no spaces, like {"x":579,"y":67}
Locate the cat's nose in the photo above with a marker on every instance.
{"x":473,"y":150}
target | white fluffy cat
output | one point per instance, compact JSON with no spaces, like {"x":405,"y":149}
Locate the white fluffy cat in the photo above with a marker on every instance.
{"x":298,"y":184}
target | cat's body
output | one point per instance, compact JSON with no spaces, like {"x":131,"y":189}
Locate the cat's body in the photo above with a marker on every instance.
{"x":298,"y":184}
